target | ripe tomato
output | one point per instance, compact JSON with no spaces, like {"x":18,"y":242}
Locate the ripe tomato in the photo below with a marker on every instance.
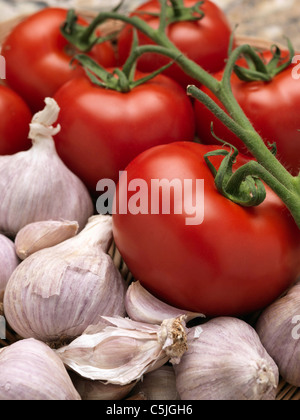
{"x":105,"y":129}
{"x":14,"y":122}
{"x":38,"y":56}
{"x":272,"y":107}
{"x":233,"y":261}
{"x":205,"y":41}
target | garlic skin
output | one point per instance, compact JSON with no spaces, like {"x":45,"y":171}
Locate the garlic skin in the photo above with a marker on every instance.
{"x":39,"y":235}
{"x":56,"y":293}
{"x":279,"y":330}
{"x":144,"y":307}
{"x":159,"y":385}
{"x":36,"y":185}
{"x":8,"y":262}
{"x":123,"y":352}
{"x":30,"y":370}
{"x":226,"y":361}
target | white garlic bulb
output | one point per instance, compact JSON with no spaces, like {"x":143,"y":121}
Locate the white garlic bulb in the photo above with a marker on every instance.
{"x":36,"y":185}
{"x":8,"y":261}
{"x":30,"y":370}
{"x":124,"y":351}
{"x":144,"y":307}
{"x":57,"y":292}
{"x":279,"y":330}
{"x":226,"y":361}
{"x":39,"y":235}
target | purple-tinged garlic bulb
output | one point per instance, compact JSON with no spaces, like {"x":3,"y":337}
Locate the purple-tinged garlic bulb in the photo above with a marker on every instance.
{"x":36,"y":185}
{"x":39,"y":235}
{"x":279,"y":330}
{"x":8,"y":261}
{"x":57,"y":292}
{"x":226,"y":361}
{"x":30,"y":370}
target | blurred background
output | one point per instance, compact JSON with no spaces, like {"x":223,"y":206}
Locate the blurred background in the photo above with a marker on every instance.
{"x":270,"y":19}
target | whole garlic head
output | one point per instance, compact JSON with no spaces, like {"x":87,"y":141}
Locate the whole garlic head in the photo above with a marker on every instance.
{"x":57,"y":292}
{"x":8,"y":262}
{"x":36,"y":185}
{"x":226,"y":361}
{"x":30,"y":370}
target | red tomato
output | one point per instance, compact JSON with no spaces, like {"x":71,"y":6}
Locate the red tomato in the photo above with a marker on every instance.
{"x":272,"y":107}
{"x":14,"y":122}
{"x":234,"y":261}
{"x":205,"y":41}
{"x":38,"y":56}
{"x":105,"y":129}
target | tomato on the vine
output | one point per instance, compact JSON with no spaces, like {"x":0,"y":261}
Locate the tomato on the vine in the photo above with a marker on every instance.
{"x":105,"y":129}
{"x":272,"y":107}
{"x":204,"y":41}
{"x":38,"y":57}
{"x":14,"y":122}
{"x":233,"y":261}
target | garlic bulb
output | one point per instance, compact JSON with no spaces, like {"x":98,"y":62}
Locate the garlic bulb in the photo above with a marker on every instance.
{"x":279,"y":330}
{"x":30,"y":370}
{"x":36,"y":185}
{"x":57,"y":292}
{"x":123,"y":352}
{"x":158,"y":385}
{"x":39,"y":235}
{"x":98,"y":391}
{"x":144,"y":307}
{"x":226,"y":361}
{"x":8,"y":262}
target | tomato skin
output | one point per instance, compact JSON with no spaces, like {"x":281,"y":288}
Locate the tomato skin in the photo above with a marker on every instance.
{"x":237,"y":261}
{"x":206,"y":42}
{"x":104,"y":129}
{"x":14,"y":122}
{"x":38,"y":57}
{"x":273,"y":109}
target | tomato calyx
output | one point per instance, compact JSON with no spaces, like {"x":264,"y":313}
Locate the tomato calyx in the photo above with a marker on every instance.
{"x":260,"y":70}
{"x":243,"y":186}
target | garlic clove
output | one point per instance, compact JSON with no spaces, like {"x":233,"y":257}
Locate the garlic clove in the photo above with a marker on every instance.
{"x":98,"y":391}
{"x":30,"y":370}
{"x":39,"y":235}
{"x":279,"y":330}
{"x":56,"y":293}
{"x":159,"y":385}
{"x":226,"y":361}
{"x":144,"y":307}
{"x":123,"y":352}
{"x":8,"y":262}
{"x":36,"y":185}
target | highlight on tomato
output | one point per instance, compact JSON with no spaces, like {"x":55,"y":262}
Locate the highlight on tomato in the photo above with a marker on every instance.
{"x":233,"y":262}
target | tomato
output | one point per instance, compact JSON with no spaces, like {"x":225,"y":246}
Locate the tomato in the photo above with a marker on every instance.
{"x":14,"y":122}
{"x":103,"y":129}
{"x":230,"y":260}
{"x":38,"y":56}
{"x":204,"y":41}
{"x":272,"y":107}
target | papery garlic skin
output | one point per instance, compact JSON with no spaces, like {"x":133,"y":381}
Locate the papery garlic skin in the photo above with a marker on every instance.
{"x":279,"y":330}
{"x":39,"y":235}
{"x":56,"y":293}
{"x":226,"y":361}
{"x":123,"y":352}
{"x":36,"y":185}
{"x":30,"y":370}
{"x":8,"y":262}
{"x":142,"y":306}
